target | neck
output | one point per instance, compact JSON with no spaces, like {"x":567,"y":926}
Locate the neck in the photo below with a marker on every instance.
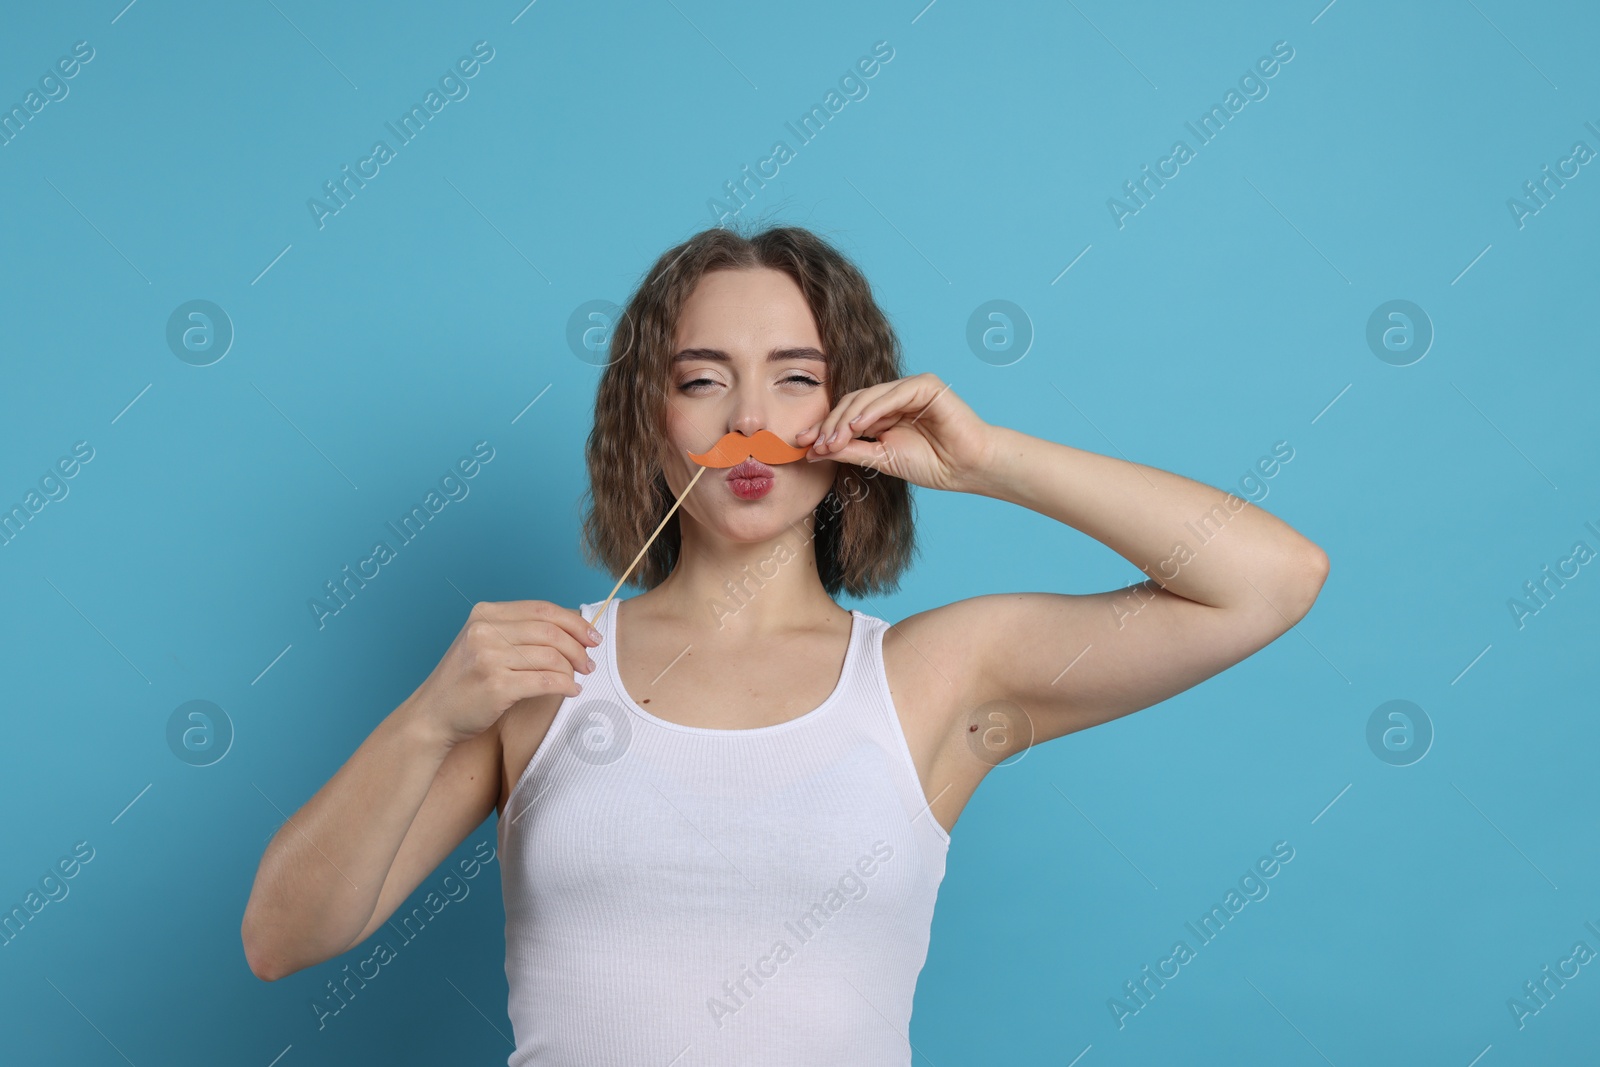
{"x":743,"y":590}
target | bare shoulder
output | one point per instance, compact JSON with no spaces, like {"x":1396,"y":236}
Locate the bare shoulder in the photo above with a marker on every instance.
{"x":932,"y":664}
{"x":922,"y":658}
{"x":936,"y":657}
{"x":522,"y":729}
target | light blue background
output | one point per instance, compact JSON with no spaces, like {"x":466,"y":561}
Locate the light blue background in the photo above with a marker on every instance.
{"x":1226,"y":316}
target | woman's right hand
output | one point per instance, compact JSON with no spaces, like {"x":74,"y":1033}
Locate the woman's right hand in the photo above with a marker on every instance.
{"x":507,"y":651}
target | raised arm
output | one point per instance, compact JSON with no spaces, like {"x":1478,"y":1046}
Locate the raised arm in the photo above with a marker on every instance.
{"x":1225,"y":578}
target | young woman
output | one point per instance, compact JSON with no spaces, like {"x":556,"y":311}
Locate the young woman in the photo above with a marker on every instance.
{"x":724,"y":811}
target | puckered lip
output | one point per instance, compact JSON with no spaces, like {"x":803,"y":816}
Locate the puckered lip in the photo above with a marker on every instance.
{"x":750,"y":469}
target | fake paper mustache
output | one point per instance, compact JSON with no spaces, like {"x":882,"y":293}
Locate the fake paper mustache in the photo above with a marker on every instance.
{"x":730,"y":450}
{"x":734,"y":448}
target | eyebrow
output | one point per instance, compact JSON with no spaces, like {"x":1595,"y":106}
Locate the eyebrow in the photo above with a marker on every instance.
{"x":777,"y":355}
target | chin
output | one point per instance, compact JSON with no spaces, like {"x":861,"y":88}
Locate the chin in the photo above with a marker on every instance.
{"x":752,"y":525}
{"x":757,"y":520}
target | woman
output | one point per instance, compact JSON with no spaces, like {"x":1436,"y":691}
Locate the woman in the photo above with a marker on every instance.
{"x":724,"y":811}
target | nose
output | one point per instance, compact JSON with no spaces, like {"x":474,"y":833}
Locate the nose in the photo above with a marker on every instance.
{"x":747,"y":417}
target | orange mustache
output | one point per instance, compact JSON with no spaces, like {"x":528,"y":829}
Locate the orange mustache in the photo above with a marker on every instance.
{"x":733,"y":448}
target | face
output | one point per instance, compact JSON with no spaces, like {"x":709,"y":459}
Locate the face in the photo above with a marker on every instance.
{"x":747,"y":357}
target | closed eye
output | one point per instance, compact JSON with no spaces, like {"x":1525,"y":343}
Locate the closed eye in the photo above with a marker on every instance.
{"x":693,"y":383}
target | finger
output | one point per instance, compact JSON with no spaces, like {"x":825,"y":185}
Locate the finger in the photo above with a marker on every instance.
{"x":844,"y":430}
{"x":533,"y":634}
{"x":924,"y":404}
{"x":889,"y":399}
{"x":522,"y":610}
{"x":543,"y":671}
{"x":835,"y":421}
{"x":874,"y":454}
{"x":817,"y":433}
{"x":872,"y":423}
{"x":524,"y":685}
{"x":536,"y":659}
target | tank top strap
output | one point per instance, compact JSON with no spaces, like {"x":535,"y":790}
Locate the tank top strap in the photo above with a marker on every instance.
{"x":885,"y":722}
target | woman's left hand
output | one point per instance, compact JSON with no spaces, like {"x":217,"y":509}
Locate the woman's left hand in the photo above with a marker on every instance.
{"x":925,"y":434}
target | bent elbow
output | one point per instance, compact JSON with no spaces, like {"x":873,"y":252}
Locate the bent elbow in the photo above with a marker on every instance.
{"x":1319,"y":565}
{"x":264,"y":963}
{"x":260,"y":966}
{"x":1305,"y":584}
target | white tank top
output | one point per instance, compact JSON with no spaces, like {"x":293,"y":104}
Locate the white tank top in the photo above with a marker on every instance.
{"x":686,"y":896}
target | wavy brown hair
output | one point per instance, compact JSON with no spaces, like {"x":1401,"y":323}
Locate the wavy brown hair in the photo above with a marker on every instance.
{"x":864,"y":528}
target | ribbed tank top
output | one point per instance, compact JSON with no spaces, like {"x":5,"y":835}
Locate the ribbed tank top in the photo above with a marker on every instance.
{"x":696,"y":897}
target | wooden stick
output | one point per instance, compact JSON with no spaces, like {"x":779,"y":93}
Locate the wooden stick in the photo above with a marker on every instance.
{"x":647,"y":544}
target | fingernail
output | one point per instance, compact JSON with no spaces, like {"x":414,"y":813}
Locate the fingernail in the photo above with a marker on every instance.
{"x":591,"y":662}
{"x":594,"y":635}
